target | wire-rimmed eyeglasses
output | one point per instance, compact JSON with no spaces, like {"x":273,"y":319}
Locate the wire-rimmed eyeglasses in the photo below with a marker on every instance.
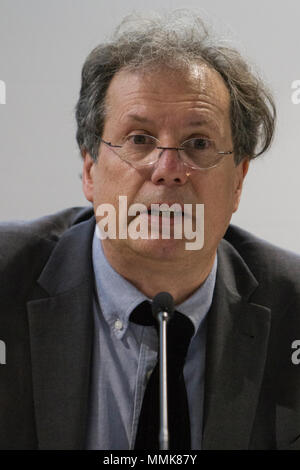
{"x":141,"y":150}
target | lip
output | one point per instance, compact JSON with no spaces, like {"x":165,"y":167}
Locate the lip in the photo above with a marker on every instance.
{"x":167,"y":219}
{"x":184,"y":211}
{"x":170,"y":204}
{"x":158,"y":221}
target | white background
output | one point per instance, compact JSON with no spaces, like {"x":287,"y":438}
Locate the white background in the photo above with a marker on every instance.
{"x":43,"y":45}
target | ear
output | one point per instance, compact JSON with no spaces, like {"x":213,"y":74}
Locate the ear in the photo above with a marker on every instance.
{"x":87,"y":177}
{"x":241,"y":171}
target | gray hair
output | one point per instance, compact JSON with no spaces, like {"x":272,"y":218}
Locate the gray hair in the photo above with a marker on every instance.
{"x":178,"y":40}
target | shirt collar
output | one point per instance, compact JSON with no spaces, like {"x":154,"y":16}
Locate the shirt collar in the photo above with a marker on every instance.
{"x":118,"y":297}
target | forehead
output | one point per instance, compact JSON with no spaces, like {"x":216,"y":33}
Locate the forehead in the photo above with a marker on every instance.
{"x":197,"y":88}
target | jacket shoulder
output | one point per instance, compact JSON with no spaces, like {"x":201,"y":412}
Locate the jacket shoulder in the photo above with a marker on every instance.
{"x":26,"y":245}
{"x":47,"y":227}
{"x":275,"y":268}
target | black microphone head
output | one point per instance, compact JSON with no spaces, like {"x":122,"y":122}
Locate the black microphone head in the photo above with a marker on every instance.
{"x":163,"y":302}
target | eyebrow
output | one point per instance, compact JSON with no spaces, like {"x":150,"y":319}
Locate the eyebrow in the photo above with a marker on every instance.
{"x":145,"y":120}
{"x":201,"y":122}
{"x":142,"y":119}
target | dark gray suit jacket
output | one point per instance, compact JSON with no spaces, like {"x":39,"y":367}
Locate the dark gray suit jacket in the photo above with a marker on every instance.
{"x":252,"y":388}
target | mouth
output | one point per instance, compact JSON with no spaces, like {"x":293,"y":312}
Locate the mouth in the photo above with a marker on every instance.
{"x":162,"y":220}
{"x":165,"y":213}
{"x":171,"y":211}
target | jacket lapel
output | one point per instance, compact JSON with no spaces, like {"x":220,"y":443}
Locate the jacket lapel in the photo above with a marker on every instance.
{"x":61,"y":327}
{"x":237,"y":339}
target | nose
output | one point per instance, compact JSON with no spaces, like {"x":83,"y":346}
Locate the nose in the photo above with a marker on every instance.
{"x":169,"y":169}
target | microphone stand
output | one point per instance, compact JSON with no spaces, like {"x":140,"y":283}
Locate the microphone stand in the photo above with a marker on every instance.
{"x":163,"y":387}
{"x":163,"y":310}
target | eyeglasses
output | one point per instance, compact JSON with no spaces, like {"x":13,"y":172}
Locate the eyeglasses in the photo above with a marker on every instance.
{"x":140,"y":150}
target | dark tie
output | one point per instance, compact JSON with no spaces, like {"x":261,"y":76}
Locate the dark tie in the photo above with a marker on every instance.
{"x":179,"y":332}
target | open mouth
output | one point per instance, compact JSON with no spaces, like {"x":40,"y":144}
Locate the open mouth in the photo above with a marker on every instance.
{"x":165,"y":213}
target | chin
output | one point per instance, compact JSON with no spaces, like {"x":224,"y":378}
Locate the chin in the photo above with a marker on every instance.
{"x":163,"y":250}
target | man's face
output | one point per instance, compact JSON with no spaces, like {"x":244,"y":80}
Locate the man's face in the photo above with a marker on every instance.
{"x":172,"y":107}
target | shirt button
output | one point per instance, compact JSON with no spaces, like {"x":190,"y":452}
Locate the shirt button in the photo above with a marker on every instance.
{"x":118,"y":325}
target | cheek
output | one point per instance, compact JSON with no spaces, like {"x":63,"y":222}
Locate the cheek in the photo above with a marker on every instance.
{"x":217,"y":194}
{"x":217,"y":189}
{"x":114,"y":178}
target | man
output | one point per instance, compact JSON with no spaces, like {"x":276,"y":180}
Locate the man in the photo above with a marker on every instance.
{"x":165,"y":116}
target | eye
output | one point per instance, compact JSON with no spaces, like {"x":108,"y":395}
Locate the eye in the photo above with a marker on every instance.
{"x":198,"y":143}
{"x":140,"y":139}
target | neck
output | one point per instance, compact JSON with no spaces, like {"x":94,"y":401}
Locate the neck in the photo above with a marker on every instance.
{"x":180,"y":278}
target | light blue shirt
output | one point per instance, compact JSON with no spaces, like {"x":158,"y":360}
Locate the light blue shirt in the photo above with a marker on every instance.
{"x":125,"y":353}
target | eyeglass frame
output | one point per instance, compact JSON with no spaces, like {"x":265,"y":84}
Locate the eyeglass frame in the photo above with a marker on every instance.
{"x":112,"y":146}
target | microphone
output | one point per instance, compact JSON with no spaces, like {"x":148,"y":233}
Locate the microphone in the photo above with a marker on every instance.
{"x":163,"y":310}
{"x":162,"y":302}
